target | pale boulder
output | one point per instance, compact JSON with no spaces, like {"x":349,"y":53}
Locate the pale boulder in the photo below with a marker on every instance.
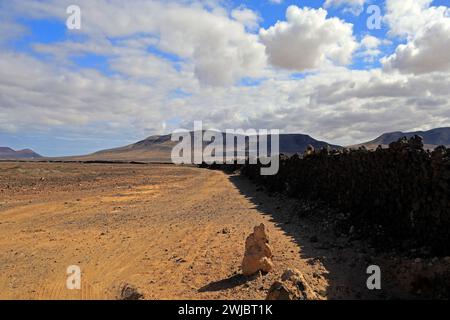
{"x":258,"y":254}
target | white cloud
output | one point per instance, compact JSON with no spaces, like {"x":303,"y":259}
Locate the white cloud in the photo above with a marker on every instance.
{"x":333,"y":103}
{"x":353,"y":6}
{"x":219,"y":47}
{"x":338,"y":105}
{"x":9,"y":28}
{"x":36,"y":96}
{"x":427,"y":30}
{"x":370,"y":42}
{"x":369,"y":48}
{"x":407,"y":17}
{"x":308,"y":40}
{"x":247,"y":17}
{"x":427,"y":52}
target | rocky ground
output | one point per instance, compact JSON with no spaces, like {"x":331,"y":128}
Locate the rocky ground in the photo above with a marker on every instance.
{"x":170,"y":232}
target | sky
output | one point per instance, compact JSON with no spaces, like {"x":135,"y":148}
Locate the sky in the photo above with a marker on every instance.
{"x":343,"y":71}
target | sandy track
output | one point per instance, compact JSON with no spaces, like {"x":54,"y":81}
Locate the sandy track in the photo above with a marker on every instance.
{"x":172,"y":232}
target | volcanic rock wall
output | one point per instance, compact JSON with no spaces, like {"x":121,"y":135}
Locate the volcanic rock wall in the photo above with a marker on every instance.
{"x":399,"y":197}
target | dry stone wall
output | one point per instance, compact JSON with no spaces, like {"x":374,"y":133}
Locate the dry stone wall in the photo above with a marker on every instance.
{"x":399,"y":196}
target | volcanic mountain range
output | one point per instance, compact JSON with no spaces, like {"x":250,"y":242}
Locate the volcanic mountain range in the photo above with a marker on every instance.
{"x":159,"y":148}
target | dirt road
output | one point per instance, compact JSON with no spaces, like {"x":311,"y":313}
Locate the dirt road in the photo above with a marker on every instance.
{"x":171,"y":232}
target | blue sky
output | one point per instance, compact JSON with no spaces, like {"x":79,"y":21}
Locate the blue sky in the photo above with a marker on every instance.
{"x":52,"y":30}
{"x":152,"y":72}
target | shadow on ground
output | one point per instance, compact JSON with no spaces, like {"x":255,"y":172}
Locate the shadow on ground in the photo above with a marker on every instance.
{"x":232,"y":282}
{"x":346,"y":262}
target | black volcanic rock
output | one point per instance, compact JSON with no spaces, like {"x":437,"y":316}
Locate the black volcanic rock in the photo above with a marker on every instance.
{"x":431,"y":138}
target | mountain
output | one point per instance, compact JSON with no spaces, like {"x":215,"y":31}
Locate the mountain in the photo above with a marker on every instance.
{"x":10,"y":154}
{"x":431,"y":138}
{"x":159,"y":148}
{"x":152,"y":149}
{"x":297,"y":143}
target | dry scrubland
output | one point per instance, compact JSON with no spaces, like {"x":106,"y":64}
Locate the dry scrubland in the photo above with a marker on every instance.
{"x":170,"y":232}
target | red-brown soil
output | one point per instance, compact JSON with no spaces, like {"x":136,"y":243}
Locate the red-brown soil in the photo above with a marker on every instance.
{"x":171,"y":232}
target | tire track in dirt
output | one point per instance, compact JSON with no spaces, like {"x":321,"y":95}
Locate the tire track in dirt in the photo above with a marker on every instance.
{"x":168,"y":231}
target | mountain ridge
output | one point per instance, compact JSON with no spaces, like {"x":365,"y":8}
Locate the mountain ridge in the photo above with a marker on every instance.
{"x":158,"y":148}
{"x":431,"y":138}
{"x":7,"y":153}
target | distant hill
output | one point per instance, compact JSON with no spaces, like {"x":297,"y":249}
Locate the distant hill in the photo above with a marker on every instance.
{"x":152,"y":149}
{"x":10,"y":154}
{"x":431,"y":138}
{"x":297,"y":143}
{"x":159,"y":148}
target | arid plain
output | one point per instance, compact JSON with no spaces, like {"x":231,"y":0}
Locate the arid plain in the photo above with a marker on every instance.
{"x":169,"y":232}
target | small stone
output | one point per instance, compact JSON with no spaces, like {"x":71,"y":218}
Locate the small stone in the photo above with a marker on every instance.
{"x":258,"y":253}
{"x":292,"y":286}
{"x":128,"y":292}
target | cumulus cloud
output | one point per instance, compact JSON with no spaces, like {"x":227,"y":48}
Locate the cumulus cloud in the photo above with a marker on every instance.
{"x":218,"y":46}
{"x":407,"y":17}
{"x":427,"y":30}
{"x":36,"y":96}
{"x":308,"y":40}
{"x":148,"y":93}
{"x":427,"y":52}
{"x":355,"y":105}
{"x":337,"y":105}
